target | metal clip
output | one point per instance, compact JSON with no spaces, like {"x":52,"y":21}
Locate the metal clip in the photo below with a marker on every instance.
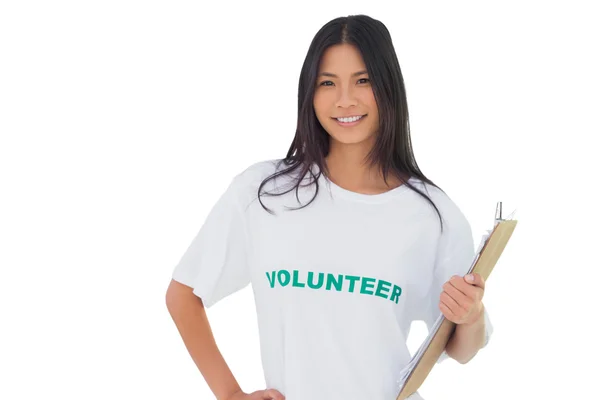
{"x":498,"y":217}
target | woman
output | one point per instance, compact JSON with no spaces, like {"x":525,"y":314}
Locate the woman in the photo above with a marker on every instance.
{"x":339,"y":276}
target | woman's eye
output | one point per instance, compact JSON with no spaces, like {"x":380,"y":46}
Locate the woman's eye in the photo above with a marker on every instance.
{"x":329,"y":83}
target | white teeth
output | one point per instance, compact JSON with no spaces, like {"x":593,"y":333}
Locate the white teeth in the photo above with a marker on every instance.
{"x":351,"y":119}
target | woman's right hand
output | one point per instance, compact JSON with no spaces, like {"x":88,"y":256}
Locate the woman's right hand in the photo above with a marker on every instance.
{"x":269,"y":394}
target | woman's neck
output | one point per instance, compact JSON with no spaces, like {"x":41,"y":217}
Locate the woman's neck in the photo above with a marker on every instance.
{"x":350,"y":171}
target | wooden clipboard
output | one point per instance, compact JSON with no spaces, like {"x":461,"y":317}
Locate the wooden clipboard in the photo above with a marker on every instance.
{"x":488,"y":257}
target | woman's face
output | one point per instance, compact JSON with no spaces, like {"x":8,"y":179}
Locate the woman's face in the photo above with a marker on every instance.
{"x":343,"y":89}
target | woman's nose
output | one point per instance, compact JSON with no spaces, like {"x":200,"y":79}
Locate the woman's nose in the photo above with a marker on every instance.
{"x":346,"y":98}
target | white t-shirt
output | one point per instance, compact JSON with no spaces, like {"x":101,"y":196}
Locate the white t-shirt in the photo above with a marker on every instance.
{"x":336,"y":283}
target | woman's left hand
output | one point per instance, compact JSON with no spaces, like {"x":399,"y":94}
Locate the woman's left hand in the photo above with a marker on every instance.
{"x":461,"y":299}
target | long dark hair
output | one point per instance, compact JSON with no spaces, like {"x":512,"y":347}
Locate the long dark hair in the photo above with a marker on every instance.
{"x":392,"y":151}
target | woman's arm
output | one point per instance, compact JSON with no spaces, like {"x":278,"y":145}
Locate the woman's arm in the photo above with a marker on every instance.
{"x":467,"y":339}
{"x":189,"y":315}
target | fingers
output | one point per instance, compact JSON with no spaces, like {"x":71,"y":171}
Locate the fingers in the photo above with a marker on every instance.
{"x":467,"y":289}
{"x":272,"y":394}
{"x":454,"y":298}
{"x":448,"y":313}
{"x":476,"y":280}
{"x":460,"y":295}
{"x":452,"y":305}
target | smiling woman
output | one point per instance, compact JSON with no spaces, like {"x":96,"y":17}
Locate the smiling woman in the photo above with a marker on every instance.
{"x":344,"y":101}
{"x":339,"y":280}
{"x":353,"y":120}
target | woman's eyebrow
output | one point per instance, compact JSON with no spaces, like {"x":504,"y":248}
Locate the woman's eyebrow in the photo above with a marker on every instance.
{"x":335,"y":76}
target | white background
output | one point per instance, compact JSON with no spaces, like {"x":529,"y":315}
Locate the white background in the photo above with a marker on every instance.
{"x":122,"y":122}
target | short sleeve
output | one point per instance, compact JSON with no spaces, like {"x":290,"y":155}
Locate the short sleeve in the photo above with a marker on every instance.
{"x":215,"y":263}
{"x":454,"y":255}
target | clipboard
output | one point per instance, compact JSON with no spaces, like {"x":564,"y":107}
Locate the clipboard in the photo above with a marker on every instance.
{"x":485,"y":261}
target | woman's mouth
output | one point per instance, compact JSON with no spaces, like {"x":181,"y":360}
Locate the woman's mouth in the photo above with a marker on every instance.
{"x":350,"y":121}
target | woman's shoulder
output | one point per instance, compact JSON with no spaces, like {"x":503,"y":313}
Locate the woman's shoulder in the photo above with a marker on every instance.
{"x":443,"y":199}
{"x":256,"y":172}
{"x":247,"y":180}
